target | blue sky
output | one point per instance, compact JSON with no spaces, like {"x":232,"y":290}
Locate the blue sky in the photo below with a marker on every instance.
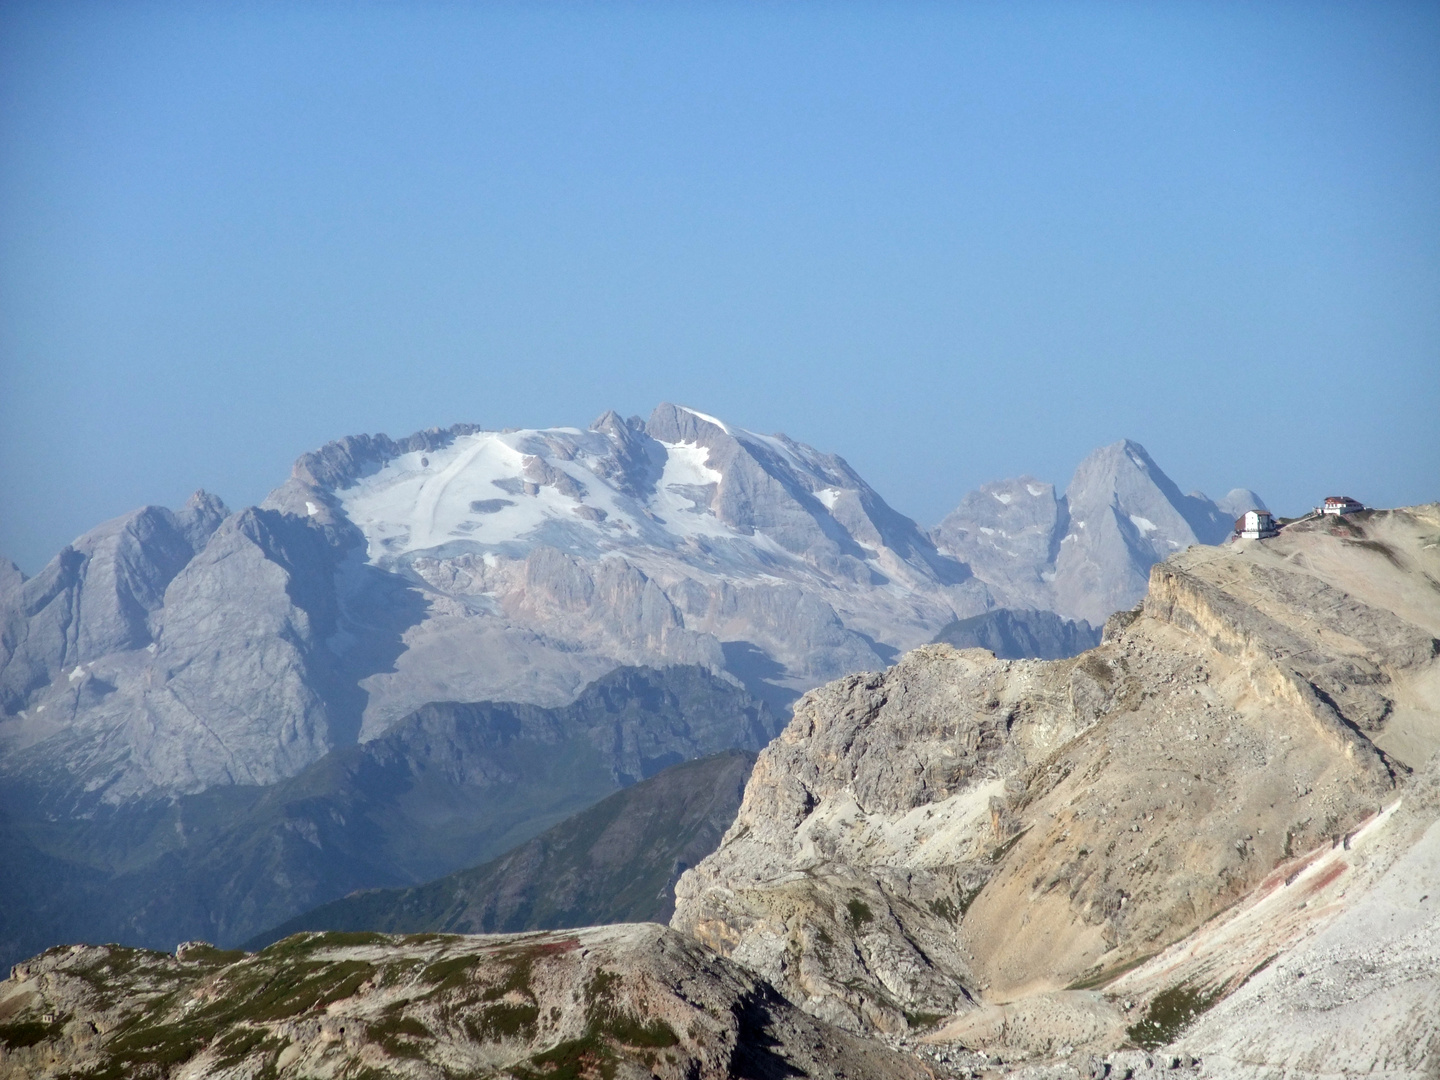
{"x":952,"y":242}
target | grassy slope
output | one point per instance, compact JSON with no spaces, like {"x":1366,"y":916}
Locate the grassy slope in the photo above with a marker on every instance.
{"x":614,"y":862}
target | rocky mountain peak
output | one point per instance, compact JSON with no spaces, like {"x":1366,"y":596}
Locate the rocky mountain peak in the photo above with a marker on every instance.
{"x":1124,"y":475}
{"x":678,"y":424}
{"x":1085,"y":554}
{"x":11,"y":576}
{"x":1237,"y":502}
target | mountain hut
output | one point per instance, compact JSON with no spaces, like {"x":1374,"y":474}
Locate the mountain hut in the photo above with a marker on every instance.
{"x":1256,"y":525}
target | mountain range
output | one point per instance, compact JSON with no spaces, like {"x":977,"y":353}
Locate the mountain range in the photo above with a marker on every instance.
{"x":1207,"y":848}
{"x":614,"y":862}
{"x":451,"y":785}
{"x":416,"y":654}
{"x":165,"y":653}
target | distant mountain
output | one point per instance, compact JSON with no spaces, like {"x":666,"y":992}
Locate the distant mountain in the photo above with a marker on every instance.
{"x":1087,"y":553}
{"x":124,"y":567}
{"x":614,"y":862}
{"x":679,"y":539}
{"x":451,"y":785}
{"x":164,"y":654}
{"x":1017,"y":635}
{"x":458,"y":565}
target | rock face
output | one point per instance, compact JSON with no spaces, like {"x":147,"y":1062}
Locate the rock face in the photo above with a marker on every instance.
{"x":1087,"y":553}
{"x":188,"y":665}
{"x":452,"y":785}
{"x":675,"y":540}
{"x":123,"y":567}
{"x":960,"y":832}
{"x":625,"y":1001}
{"x":614,"y":862}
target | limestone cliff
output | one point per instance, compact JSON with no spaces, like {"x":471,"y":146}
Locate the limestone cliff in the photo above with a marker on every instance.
{"x":962,"y":834}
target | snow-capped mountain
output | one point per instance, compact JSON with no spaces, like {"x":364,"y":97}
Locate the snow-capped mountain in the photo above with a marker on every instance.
{"x":472,"y":565}
{"x":548,"y":555}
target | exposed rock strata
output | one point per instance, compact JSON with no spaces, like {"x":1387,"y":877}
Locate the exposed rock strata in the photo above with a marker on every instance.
{"x":962,"y":831}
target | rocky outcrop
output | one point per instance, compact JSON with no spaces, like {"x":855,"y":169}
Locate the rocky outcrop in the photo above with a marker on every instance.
{"x":962,"y":833}
{"x":623,"y":1001}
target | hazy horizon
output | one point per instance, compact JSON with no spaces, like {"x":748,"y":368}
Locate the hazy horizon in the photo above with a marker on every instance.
{"x":951,"y":244}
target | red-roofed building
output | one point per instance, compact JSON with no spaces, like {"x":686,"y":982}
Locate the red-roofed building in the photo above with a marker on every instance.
{"x":1340,"y":504}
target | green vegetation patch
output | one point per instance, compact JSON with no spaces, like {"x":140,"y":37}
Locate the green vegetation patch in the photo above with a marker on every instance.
{"x":450,"y":973}
{"x":608,"y":1027}
{"x":152,"y":1048}
{"x":629,"y":1029}
{"x":1169,"y":1013}
{"x":920,"y":1020}
{"x":240,"y":1043}
{"x":953,"y":910}
{"x":28,"y":1033}
{"x":251,"y":994}
{"x":400,"y":1036}
{"x":394,"y":972}
{"x":497,"y":1015}
{"x":503,"y":1020}
{"x":945,"y":908}
{"x":310,"y":941}
{"x":1101,"y":977}
{"x":574,"y":1059}
{"x":860,"y":912}
{"x":276,"y":992}
{"x":209,"y":954}
{"x":1004,"y":849}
